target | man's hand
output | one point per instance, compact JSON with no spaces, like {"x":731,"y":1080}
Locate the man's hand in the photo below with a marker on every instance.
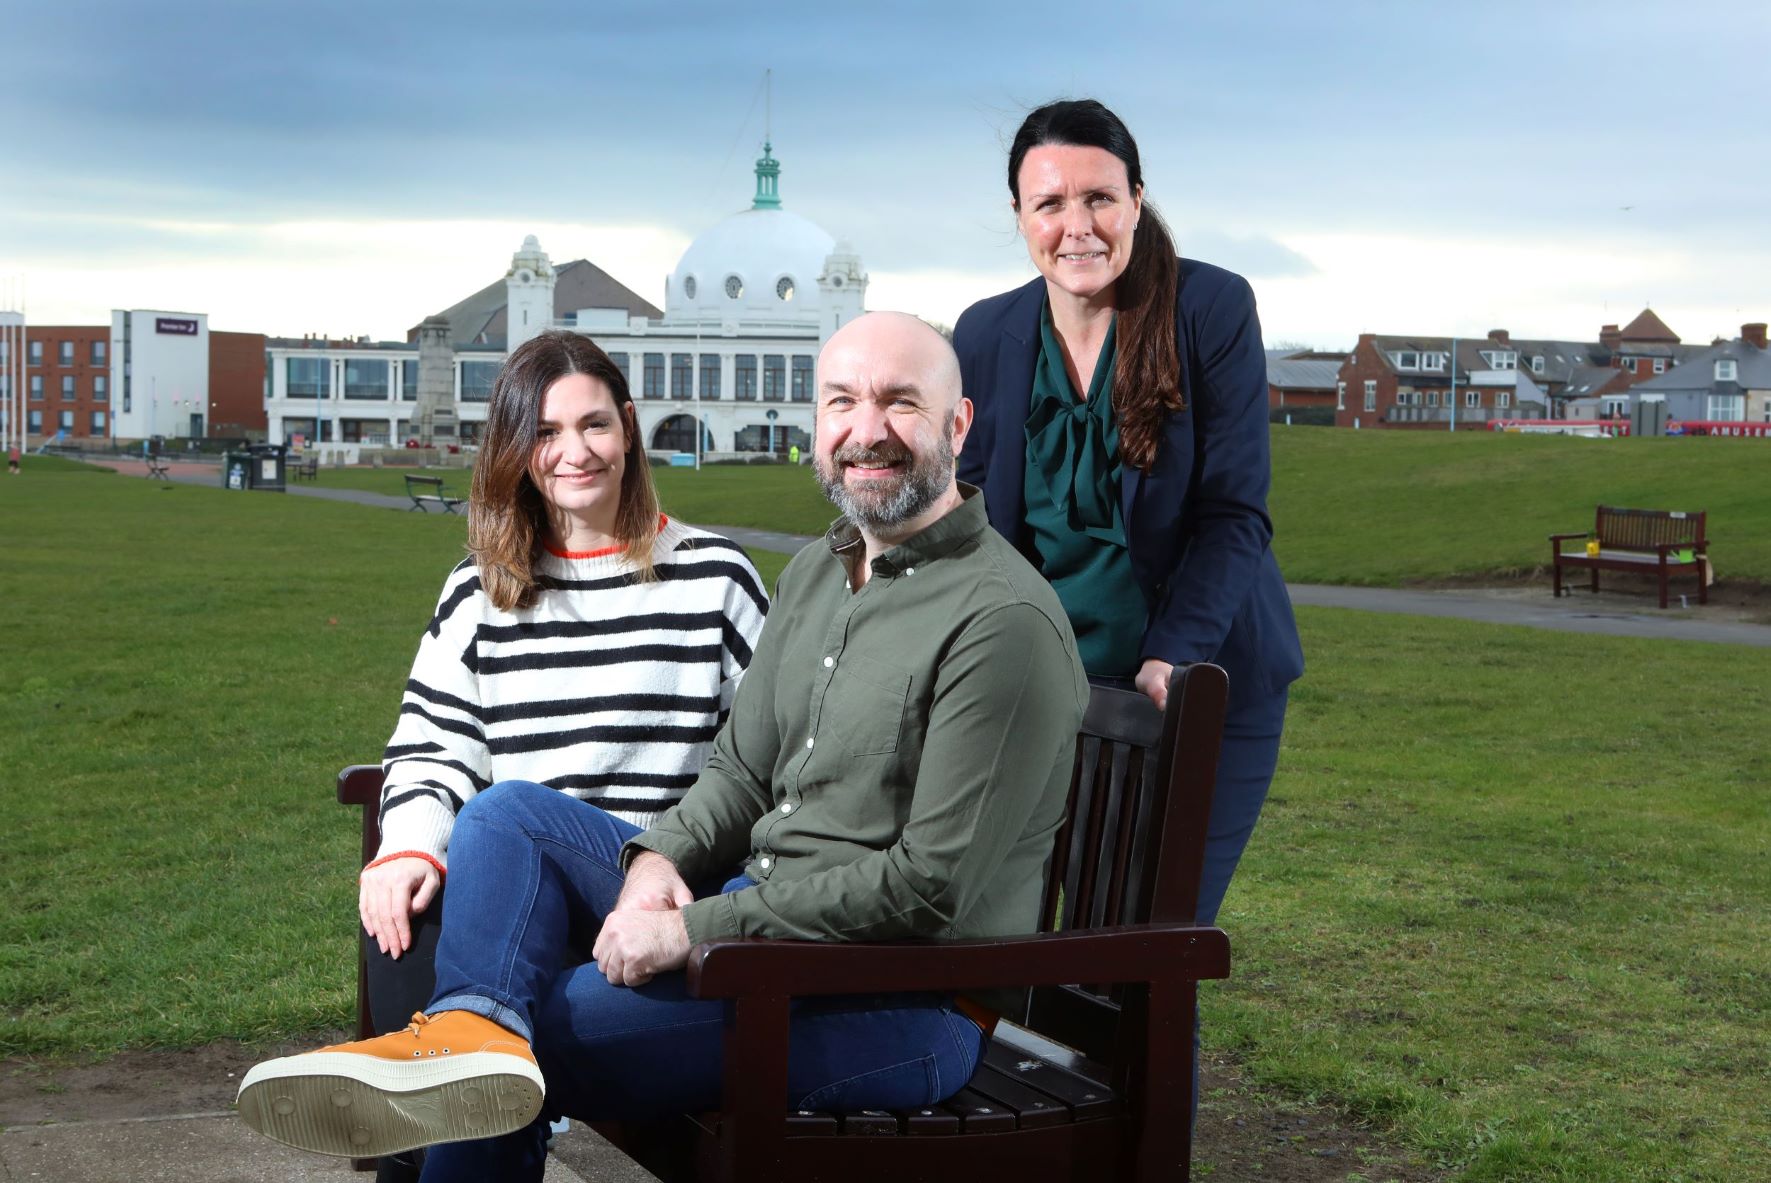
{"x":637,"y":943}
{"x":389,"y":896}
{"x":652,"y":885}
{"x":1152,"y":681}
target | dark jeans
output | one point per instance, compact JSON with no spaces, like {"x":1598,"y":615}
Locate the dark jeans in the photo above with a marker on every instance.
{"x":532,"y":871}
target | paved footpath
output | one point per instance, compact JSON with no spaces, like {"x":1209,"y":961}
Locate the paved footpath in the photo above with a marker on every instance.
{"x":1581,"y":612}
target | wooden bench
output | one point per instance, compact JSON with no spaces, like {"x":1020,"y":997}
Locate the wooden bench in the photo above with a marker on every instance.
{"x":157,"y":467}
{"x":307,"y":469}
{"x":424,"y":490}
{"x":1094,"y":1081}
{"x":1647,"y":541}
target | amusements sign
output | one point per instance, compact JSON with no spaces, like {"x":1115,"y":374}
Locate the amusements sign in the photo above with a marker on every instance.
{"x":175,"y":326}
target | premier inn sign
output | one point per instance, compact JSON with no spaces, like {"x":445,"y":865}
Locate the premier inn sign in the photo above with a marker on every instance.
{"x":175,"y":326}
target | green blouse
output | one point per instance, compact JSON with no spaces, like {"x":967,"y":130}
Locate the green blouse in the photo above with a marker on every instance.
{"x":1071,"y":488}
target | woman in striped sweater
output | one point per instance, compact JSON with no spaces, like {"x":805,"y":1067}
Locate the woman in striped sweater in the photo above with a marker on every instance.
{"x":588,"y":644}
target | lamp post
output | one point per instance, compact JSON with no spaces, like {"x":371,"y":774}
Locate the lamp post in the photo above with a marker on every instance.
{"x":1454,"y":384}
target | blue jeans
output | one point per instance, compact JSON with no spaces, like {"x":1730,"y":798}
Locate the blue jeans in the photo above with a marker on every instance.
{"x":532,"y":872}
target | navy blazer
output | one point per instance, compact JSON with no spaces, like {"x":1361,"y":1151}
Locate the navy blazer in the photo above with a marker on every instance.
{"x":1196,"y":524}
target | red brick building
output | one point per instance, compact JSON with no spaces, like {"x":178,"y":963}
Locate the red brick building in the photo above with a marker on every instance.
{"x":236,"y":385}
{"x":68,"y":381}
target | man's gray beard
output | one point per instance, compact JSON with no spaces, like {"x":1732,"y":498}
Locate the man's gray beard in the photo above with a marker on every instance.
{"x":909,"y":496}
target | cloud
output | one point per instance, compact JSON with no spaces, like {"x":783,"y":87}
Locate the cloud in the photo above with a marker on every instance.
{"x":1254,"y":255}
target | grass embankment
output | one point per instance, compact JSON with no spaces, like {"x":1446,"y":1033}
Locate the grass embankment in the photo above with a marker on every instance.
{"x":1511,"y":898}
{"x":1376,"y":508}
{"x":1384,"y":508}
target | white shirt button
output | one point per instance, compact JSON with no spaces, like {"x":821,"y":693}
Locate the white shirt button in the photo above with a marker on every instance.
{"x":764,"y":862}
{"x":786,"y":807}
{"x":829,"y":661}
{"x":808,"y":741}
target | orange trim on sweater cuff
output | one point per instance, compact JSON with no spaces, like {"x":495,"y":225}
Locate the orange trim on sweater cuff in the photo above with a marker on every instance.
{"x":388,"y":858}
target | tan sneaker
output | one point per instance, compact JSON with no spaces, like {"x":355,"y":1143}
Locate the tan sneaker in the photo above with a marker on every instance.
{"x":446,"y":1078}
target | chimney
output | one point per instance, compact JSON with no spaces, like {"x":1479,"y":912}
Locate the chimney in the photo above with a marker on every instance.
{"x":1609,"y":336}
{"x":1499,"y":335}
{"x":1754,"y":333}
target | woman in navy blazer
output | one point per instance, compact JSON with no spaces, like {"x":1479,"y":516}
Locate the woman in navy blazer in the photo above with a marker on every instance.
{"x":1178,"y":346}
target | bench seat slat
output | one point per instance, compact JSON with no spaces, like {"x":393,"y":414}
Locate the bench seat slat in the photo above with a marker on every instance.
{"x":1086,"y":1099}
{"x":1031,"y":1107}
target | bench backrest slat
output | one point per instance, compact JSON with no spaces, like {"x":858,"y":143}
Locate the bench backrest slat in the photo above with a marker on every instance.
{"x":1645,"y":529}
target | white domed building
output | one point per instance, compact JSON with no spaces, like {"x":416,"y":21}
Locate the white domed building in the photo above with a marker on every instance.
{"x":745,"y":311}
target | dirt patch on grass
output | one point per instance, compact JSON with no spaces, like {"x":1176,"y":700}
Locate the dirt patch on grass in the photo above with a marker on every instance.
{"x":1244,"y":1132}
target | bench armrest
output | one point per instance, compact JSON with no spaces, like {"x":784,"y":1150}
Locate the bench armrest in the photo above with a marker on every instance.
{"x":1125,"y":953}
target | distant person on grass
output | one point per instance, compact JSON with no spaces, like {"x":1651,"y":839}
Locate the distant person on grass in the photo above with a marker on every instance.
{"x":588,"y":644}
{"x":894,"y":767}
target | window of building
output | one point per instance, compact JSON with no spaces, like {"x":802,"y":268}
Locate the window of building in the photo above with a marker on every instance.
{"x":34,"y":353}
{"x":34,"y":422}
{"x":97,"y":355}
{"x":67,"y":387}
{"x":1472,"y":398}
{"x":66,"y":421}
{"x":307,"y":377}
{"x":774,"y":377}
{"x":1500,"y":359}
{"x":477,"y":378}
{"x":98,"y":423}
{"x":682,"y":376}
{"x":1726,"y":408}
{"x":1408,"y":361}
{"x":1725,"y":369}
{"x":36,"y":388}
{"x":621,"y":363}
{"x":710,"y":375}
{"x":1537,"y":364}
{"x":101,"y":388}
{"x":365,"y":378}
{"x":1432,"y":398}
{"x":653,"y":373}
{"x":1660,"y":365}
{"x":1371,"y":394}
{"x":744,"y":377}
{"x":408,"y":382}
{"x":1627,"y":364}
{"x":66,"y":356}
{"x":1432,"y":361}
{"x":1340,"y":396}
{"x":802,"y":379}
{"x":1502,"y":400}
{"x":1614,"y":408}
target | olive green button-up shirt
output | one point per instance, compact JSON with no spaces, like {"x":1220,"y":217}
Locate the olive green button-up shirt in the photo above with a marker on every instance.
{"x":897,"y":758}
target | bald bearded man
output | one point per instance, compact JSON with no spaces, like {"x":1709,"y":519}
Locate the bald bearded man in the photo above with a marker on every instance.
{"x":894,"y":767}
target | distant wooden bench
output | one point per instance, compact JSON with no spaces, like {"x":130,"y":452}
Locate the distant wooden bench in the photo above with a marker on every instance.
{"x":1647,"y":541}
{"x":1089,"y":1082}
{"x":426,"y":490}
{"x":157,"y":465}
{"x":306,"y":469}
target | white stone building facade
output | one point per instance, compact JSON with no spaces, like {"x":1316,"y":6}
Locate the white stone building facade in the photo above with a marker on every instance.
{"x":746,"y":309}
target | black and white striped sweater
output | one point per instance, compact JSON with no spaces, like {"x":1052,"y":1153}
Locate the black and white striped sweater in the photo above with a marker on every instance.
{"x":606,"y":689}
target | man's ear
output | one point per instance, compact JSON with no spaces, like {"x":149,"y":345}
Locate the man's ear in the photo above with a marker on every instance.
{"x":962,"y":423}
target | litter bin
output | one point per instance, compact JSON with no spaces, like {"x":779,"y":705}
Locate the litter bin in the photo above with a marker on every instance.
{"x":267,"y":466}
{"x":258,"y":466}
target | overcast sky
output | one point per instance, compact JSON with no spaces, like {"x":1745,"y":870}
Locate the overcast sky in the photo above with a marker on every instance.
{"x":1397,"y":167}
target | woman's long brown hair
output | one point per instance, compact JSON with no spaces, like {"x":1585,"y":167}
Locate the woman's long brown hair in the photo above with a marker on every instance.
{"x":507,"y":517}
{"x":1147,"y":372}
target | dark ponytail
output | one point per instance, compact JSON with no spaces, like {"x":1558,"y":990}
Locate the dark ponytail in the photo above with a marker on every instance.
{"x":1147,"y":373}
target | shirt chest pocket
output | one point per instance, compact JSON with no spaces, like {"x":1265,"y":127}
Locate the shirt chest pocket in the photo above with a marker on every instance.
{"x":865,"y":704}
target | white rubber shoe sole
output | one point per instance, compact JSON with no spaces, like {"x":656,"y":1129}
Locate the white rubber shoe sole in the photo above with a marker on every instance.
{"x":359,"y":1106}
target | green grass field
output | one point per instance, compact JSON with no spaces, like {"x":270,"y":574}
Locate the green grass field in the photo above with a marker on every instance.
{"x":1510,"y":900}
{"x":1375,"y":508}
